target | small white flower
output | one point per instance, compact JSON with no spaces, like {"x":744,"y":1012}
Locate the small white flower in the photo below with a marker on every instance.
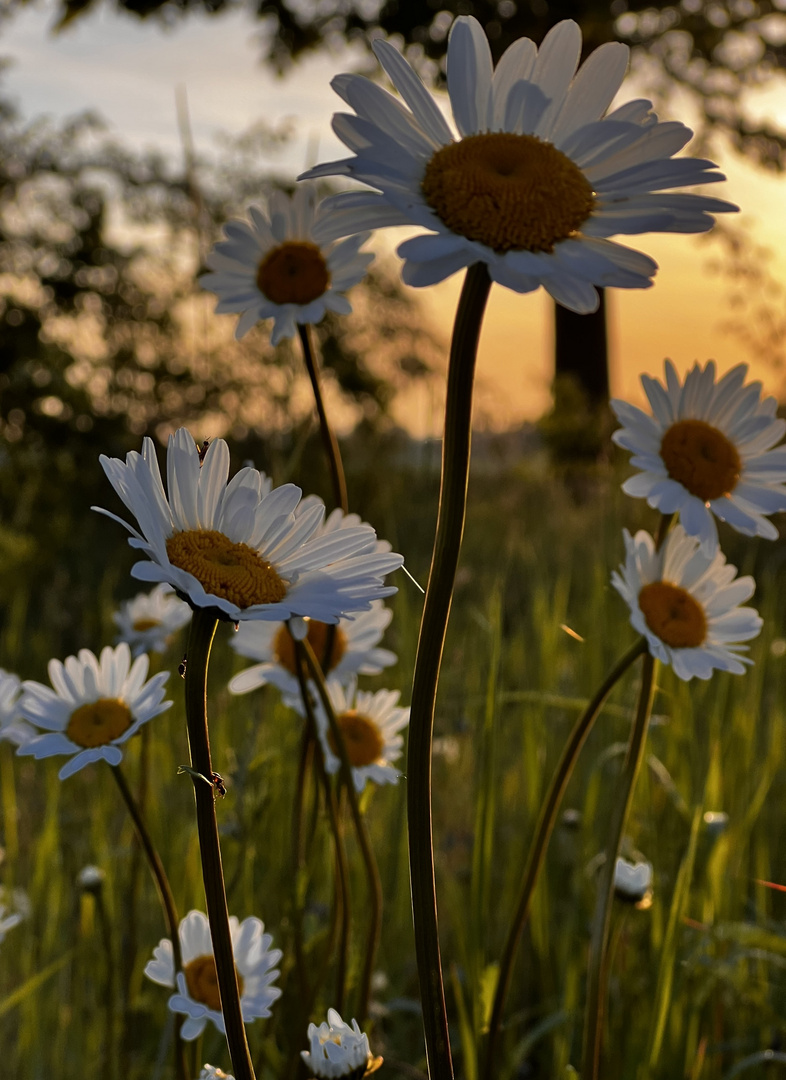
{"x":370,"y":723}
{"x":149,"y":620}
{"x":96,"y":705}
{"x":707,"y":449}
{"x":210,"y":1072}
{"x":90,"y":878}
{"x":686,"y":603}
{"x":197,"y":985}
{"x":240,"y":547}
{"x":633,"y":881}
{"x":14,"y":907}
{"x":534,"y":177}
{"x":278,"y":266}
{"x":336,"y":1049}
{"x":12,"y":727}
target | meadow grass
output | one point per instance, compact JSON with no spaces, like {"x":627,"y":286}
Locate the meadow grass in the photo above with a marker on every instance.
{"x":698,"y":980}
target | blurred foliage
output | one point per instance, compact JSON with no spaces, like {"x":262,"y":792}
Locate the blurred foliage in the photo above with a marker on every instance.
{"x":713,"y":48}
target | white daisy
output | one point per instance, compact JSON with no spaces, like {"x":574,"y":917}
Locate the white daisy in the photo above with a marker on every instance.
{"x":686,"y":603}
{"x":633,"y":881}
{"x":240,"y":547}
{"x":96,"y":705}
{"x":210,"y":1072}
{"x":197,"y":985}
{"x":707,"y":449}
{"x":370,"y":723}
{"x":338,"y":1050}
{"x":12,"y":727}
{"x":354,"y":650}
{"x":149,"y":620}
{"x":277,"y":268}
{"x":534,"y":180}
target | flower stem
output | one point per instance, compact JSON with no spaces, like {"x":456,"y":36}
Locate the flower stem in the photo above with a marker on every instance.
{"x":164,"y":894}
{"x":597,"y":976}
{"x":540,"y":842}
{"x":329,"y":440}
{"x":361,"y":832}
{"x":203,"y":628}
{"x":433,"y":628}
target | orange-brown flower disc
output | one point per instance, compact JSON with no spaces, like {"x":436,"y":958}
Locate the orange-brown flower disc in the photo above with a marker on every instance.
{"x":284,"y":646}
{"x":673,"y":615}
{"x":509,"y":192}
{"x":362,"y":738}
{"x":293,"y":273}
{"x":141,"y":625}
{"x":202,"y":981}
{"x":701,"y":458}
{"x":233,"y":571}
{"x":99,"y":722}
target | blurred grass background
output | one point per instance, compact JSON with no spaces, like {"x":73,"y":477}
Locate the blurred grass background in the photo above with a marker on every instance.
{"x":697,"y":987}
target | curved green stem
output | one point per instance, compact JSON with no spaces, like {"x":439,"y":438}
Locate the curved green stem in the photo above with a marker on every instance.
{"x":431,"y":641}
{"x":203,"y":628}
{"x":540,"y":842}
{"x":597,"y":976}
{"x":165,"y":896}
{"x":361,"y":832}
{"x":329,"y":440}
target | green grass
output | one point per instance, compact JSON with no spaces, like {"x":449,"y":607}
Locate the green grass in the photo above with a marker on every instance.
{"x":698,"y":983}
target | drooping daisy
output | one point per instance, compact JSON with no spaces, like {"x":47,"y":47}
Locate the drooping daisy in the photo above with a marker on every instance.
{"x":371,"y":724}
{"x":633,"y":881}
{"x":354,"y":650}
{"x":149,"y":620}
{"x":197,"y":985}
{"x":707,"y":449}
{"x":12,"y":727}
{"x":240,"y":547}
{"x":686,"y":603}
{"x":96,"y":705}
{"x":535,"y":178}
{"x":338,"y":1050}
{"x":279,"y":267}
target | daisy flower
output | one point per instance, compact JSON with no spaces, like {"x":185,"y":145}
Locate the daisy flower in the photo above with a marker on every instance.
{"x":149,"y":620}
{"x":534,"y":178}
{"x":280,"y":267}
{"x":210,"y":1072}
{"x":338,"y":1050}
{"x":96,"y":705}
{"x":633,"y":881}
{"x":354,"y":650}
{"x":12,"y":727}
{"x":686,"y":603}
{"x":197,"y":985}
{"x":707,"y":450}
{"x":240,"y":547}
{"x":370,"y":723}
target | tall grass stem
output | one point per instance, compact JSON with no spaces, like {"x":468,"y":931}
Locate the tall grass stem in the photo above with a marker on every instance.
{"x":329,"y":440}
{"x":200,"y":640}
{"x":540,"y":843}
{"x":456,"y":447}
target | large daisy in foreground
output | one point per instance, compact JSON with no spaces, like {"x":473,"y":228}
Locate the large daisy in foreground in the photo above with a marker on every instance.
{"x":535,"y":178}
{"x":686,"y":603}
{"x":707,"y":449}
{"x":197,"y":985}
{"x":240,"y":547}
{"x":277,"y":266}
{"x":96,"y":705}
{"x":371,"y":724}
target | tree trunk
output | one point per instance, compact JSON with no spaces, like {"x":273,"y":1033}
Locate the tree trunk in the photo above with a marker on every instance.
{"x":581,"y":351}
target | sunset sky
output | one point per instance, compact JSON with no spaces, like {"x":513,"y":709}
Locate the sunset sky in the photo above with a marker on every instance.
{"x":129,"y":71}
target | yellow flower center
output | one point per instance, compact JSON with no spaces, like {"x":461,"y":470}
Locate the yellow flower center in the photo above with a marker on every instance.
{"x":701,"y":458}
{"x":509,"y":192}
{"x":293,"y":273}
{"x":233,"y":571}
{"x":202,"y":981}
{"x":99,"y":723}
{"x":362,"y":738}
{"x":284,"y":646}
{"x":672,"y":613}
{"x":141,"y":625}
